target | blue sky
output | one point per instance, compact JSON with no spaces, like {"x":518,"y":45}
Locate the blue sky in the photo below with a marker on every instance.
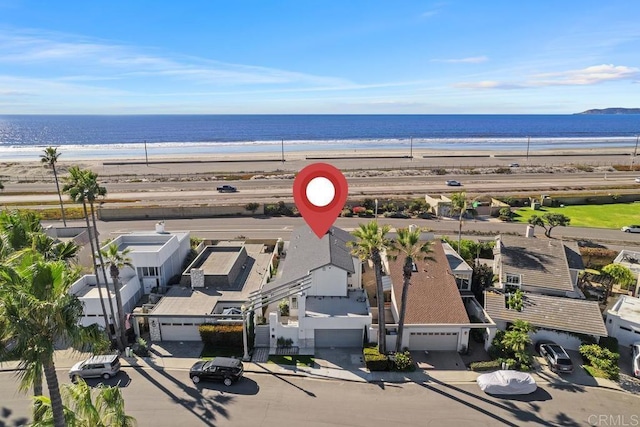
{"x":291,"y":57}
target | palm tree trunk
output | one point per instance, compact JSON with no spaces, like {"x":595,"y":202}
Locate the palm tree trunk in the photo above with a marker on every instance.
{"x":55,"y":175}
{"x":121,"y":319}
{"x":95,"y":271}
{"x":116,"y":318}
{"x":382,"y":333}
{"x":407,"y":269}
{"x":54,"y":393}
{"x":459,"y":231}
{"x":37,"y":391}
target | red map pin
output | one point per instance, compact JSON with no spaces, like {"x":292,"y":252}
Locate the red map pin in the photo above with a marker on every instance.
{"x":319,"y":192}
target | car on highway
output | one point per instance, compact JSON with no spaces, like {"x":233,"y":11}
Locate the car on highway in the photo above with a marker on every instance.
{"x":631,"y":229}
{"x":453,"y":183}
{"x":507,"y":382}
{"x":225,"y":369}
{"x":557,"y":358}
{"x":637,"y":179}
{"x":514,"y":165}
{"x":635,"y":359}
{"x":227,"y":189}
{"x":105,"y":366}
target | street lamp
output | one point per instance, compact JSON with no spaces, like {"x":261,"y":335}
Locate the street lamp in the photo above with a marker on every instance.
{"x":376,"y":215}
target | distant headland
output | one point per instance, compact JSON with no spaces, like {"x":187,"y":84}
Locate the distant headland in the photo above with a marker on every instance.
{"x":612,"y":111}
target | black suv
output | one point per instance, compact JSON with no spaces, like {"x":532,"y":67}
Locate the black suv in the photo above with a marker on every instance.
{"x":225,"y":369}
{"x":558,"y":359}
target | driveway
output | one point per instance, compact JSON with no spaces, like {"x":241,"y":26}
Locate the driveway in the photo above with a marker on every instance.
{"x":438,"y":360}
{"x":579,"y":375}
{"x":349,"y":359}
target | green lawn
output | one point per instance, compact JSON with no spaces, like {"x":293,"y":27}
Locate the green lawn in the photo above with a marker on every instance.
{"x":209,"y":352}
{"x":293,"y":360}
{"x":600,"y":216}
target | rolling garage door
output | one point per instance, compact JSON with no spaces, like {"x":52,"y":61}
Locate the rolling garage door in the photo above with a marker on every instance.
{"x":179,"y":331}
{"x":433,"y":341}
{"x":338,"y":338}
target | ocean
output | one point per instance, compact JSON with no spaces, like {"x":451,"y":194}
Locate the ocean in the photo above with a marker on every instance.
{"x":23,"y":137}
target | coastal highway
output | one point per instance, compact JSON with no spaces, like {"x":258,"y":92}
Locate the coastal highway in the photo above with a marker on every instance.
{"x":269,"y":190}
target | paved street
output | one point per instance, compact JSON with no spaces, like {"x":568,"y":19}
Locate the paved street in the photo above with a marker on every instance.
{"x":167,"y":398}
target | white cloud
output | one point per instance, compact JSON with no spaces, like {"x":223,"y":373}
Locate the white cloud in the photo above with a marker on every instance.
{"x":586,"y":76}
{"x":66,"y":55}
{"x":469,"y":60}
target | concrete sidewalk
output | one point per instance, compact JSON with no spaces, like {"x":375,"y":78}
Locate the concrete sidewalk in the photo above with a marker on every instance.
{"x":65,"y":359}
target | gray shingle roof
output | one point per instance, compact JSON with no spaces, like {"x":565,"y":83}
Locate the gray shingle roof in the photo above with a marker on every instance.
{"x":572,"y":252}
{"x":541,"y":262}
{"x":306,"y":252}
{"x":563,"y":314}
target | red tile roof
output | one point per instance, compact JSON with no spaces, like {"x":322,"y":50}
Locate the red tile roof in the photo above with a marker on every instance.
{"x":433,"y":295}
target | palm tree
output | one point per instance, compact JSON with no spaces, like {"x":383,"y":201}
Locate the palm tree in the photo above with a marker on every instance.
{"x":50,"y":158}
{"x":408,"y":245}
{"x":371,"y":241}
{"x":116,"y":260}
{"x":38,"y":311}
{"x":82,"y":411}
{"x":459,"y":207}
{"x":76,"y":187}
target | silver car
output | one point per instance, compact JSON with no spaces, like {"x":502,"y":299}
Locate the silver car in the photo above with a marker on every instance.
{"x":105,"y":366}
{"x":631,"y":229}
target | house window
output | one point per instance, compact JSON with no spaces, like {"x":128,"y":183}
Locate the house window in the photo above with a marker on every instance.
{"x":294,"y":303}
{"x":148,"y":271}
{"x":513,"y":279}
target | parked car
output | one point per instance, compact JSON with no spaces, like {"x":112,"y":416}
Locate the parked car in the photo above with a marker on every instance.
{"x":453,"y":183}
{"x":507,"y":382}
{"x":105,"y":366}
{"x":631,"y":229}
{"x":227,"y":189}
{"x":225,"y":369}
{"x":557,"y":358}
{"x":635,"y":359}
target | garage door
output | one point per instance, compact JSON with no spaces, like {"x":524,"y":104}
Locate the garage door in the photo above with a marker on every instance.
{"x":338,"y":338}
{"x":433,"y":341}
{"x":179,"y":332}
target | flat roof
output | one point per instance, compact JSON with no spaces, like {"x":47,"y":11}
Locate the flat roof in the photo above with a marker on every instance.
{"x":560,"y":313}
{"x":181,"y":300}
{"x":91,"y":291}
{"x":628,"y":308}
{"x":141,"y":246}
{"x":218,"y":260}
{"x":325,"y":306}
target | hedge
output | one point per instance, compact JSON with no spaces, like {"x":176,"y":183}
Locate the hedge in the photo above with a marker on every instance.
{"x":610,"y":343}
{"x":485,"y":366}
{"x":221,"y":335}
{"x":374,"y":360}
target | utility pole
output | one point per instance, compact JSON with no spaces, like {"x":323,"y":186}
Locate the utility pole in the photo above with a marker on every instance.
{"x":282,"y":150}
{"x":146,"y":156}
{"x":635,"y":151}
{"x":528,"y":142}
{"x":411,"y":149}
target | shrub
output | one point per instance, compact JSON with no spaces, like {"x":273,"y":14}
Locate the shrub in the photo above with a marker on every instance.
{"x":283,"y":306}
{"x":271,"y":210}
{"x":440,"y":171}
{"x":374,"y":360}
{"x":252,"y":207}
{"x":346,"y":212}
{"x":357,"y":210}
{"x":403,"y":362}
{"x":610,"y":343}
{"x":284,"y":342}
{"x":503,"y":171}
{"x":221,"y":335}
{"x":601,"y":358}
{"x":505,"y":214}
{"x":485,"y":366}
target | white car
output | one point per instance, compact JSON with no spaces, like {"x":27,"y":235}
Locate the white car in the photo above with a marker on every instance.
{"x":635,"y":359}
{"x":637,"y":179}
{"x":507,"y":382}
{"x":631,"y":229}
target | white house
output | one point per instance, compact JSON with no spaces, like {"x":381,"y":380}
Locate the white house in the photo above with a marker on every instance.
{"x":623,"y":320}
{"x":334,"y":310}
{"x":89,"y":295}
{"x":631,"y":260}
{"x":157,"y":257}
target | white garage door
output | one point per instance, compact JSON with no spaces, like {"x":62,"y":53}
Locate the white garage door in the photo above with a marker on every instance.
{"x":179,"y":331}
{"x":433,"y":341}
{"x":338,"y":338}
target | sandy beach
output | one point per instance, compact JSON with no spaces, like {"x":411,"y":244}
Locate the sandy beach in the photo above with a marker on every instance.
{"x":346,"y":160}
